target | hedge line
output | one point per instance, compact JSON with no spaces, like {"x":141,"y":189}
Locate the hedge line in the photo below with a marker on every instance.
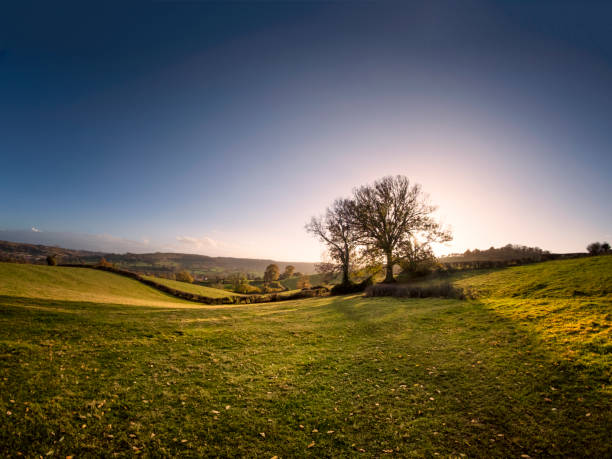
{"x":250,"y":299}
{"x":442,"y":290}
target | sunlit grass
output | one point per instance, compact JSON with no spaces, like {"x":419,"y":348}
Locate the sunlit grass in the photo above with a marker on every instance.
{"x":335,"y":376}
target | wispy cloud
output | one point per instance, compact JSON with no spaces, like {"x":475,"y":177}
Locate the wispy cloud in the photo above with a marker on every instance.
{"x":198,"y":243}
{"x":35,"y":230}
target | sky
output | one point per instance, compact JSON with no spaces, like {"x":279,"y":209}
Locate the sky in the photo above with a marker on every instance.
{"x":221,"y":128}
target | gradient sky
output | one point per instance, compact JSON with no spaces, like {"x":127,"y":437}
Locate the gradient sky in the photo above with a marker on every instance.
{"x":220,"y":128}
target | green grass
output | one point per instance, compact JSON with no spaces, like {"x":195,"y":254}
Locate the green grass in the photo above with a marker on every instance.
{"x":209,"y":292}
{"x":568,"y":302}
{"x":291,"y":283}
{"x":78,"y":284}
{"x":322,"y":377}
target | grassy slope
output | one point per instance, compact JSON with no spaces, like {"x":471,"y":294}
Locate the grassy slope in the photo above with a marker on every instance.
{"x":78,"y":284}
{"x":569,"y":302}
{"x":319,"y":377}
{"x":193,"y":288}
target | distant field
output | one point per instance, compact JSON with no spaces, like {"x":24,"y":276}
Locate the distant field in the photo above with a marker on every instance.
{"x":193,"y":288}
{"x":291,"y":283}
{"x":513,"y":373}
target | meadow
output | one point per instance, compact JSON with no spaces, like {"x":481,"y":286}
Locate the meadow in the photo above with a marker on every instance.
{"x":92,"y":362}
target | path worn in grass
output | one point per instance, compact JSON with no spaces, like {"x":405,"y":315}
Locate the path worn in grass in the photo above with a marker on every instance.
{"x":320,"y":377}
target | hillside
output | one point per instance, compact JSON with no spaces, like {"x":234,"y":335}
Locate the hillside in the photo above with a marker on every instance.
{"x":77,"y":284}
{"x":147,"y":263}
{"x":569,"y":302}
{"x":193,"y":288}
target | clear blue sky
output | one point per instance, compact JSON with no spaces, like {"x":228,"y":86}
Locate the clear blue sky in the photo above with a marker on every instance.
{"x":220,"y":128}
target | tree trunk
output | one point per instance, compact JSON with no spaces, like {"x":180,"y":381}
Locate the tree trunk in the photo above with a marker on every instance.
{"x":345,"y":276}
{"x":389,"y":278}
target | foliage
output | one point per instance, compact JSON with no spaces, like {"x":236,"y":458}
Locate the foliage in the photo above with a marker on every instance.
{"x":505,"y":253}
{"x":598,"y":248}
{"x":51,"y":260}
{"x":432,"y":290}
{"x":303,"y":282}
{"x":247,"y":289}
{"x":104,"y":263}
{"x":184,"y":276}
{"x":289,"y":271}
{"x":272,"y":273}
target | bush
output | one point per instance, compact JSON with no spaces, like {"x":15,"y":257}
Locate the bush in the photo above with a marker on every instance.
{"x":344,"y":289}
{"x":247,"y":289}
{"x":184,"y":276}
{"x":441,"y":290}
{"x":104,"y":263}
{"x":51,"y":260}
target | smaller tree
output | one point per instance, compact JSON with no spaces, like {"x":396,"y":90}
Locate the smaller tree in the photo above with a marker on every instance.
{"x":303,"y":282}
{"x":594,"y":248}
{"x":337,"y":231}
{"x":271,"y":274}
{"x":237,"y":280}
{"x":184,"y":276}
{"x":289,"y":270}
{"x":605,"y":247}
{"x":52,"y":260}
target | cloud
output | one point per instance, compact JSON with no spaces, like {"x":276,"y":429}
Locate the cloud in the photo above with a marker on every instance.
{"x":35,"y":230}
{"x":198,"y":243}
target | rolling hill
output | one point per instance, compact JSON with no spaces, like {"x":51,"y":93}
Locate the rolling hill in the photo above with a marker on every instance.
{"x":77,"y":284}
{"x":146,"y":263}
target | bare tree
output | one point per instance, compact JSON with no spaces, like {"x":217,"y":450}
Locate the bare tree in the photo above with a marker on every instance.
{"x":389,"y":215}
{"x":336,"y":230}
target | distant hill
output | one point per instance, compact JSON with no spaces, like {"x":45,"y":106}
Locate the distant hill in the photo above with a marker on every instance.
{"x":148,"y":263}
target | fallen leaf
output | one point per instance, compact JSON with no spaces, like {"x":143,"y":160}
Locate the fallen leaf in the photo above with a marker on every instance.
{"x":311,"y":445}
{"x":263,"y":434}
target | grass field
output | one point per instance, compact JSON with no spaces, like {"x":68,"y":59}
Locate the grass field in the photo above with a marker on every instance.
{"x":78,"y":284}
{"x":193,"y":288}
{"x":499,"y":376}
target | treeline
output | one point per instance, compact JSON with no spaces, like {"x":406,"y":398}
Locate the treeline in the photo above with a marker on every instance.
{"x":508,"y":253}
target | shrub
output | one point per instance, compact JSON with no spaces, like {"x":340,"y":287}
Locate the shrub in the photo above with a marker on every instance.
{"x":104,"y":263}
{"x":51,"y":260}
{"x":440,"y":290}
{"x":184,"y":276}
{"x":247,"y":289}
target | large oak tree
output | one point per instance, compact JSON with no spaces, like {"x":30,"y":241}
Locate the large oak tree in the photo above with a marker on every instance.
{"x":391,"y":216}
